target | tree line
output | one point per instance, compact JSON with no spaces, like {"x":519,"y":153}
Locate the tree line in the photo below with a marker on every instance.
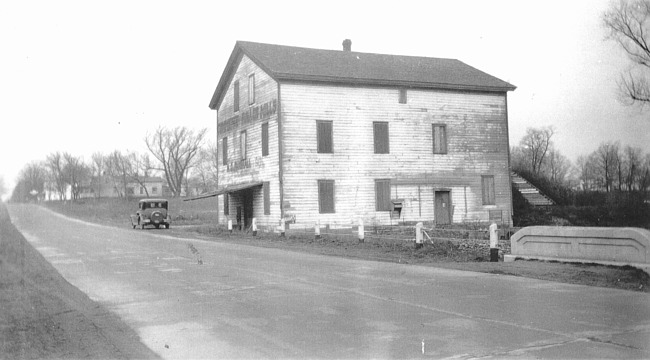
{"x":612,"y":167}
{"x":608,"y":187}
{"x":178,"y":155}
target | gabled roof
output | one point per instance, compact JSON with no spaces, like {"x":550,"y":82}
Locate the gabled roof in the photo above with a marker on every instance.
{"x":289,"y":63}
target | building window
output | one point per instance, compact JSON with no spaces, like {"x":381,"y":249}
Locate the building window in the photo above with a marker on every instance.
{"x":487,"y":188}
{"x":326,"y":196}
{"x":439,"y":139}
{"x":235,"y":92}
{"x":224,"y":151}
{"x":154,"y":190}
{"x":265,"y":139}
{"x":251,"y":89}
{"x":380,"y":131}
{"x":382,"y":195}
{"x":130,"y":191}
{"x":141,"y":190}
{"x":402,"y":96}
{"x":267,"y":198}
{"x":242,"y":144}
{"x":324,"y":137}
{"x":226,"y":204}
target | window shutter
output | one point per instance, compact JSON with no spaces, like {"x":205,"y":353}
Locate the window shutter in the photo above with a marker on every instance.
{"x":226,"y":205}
{"x":235,"y":94}
{"x":224,"y":151}
{"x":251,"y":89}
{"x":487,"y":185}
{"x":382,"y":195}
{"x":242,"y":144}
{"x":402,"y":96}
{"x":267,"y":198}
{"x":326,"y":196}
{"x":380,"y":131}
{"x":324,"y":137}
{"x":265,"y":139}
{"x":439,"y":139}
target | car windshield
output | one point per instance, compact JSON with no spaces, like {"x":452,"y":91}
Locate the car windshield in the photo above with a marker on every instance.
{"x":159,"y":204}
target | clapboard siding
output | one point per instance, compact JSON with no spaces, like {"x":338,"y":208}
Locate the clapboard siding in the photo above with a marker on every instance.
{"x":249,"y":118}
{"x":476,"y":125}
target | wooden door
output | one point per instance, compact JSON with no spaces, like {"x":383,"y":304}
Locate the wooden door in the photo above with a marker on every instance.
{"x":248,"y":208}
{"x":442,"y":211}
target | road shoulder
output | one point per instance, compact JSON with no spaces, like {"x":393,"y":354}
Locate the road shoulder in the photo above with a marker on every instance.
{"x":46,"y":317}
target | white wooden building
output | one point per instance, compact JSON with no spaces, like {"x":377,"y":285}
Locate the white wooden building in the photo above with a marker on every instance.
{"x":333,"y":136}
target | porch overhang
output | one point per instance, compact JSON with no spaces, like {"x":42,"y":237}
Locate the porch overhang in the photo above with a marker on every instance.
{"x":228,"y":189}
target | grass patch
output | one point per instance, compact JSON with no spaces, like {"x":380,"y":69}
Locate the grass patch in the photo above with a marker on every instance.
{"x":117,"y":212}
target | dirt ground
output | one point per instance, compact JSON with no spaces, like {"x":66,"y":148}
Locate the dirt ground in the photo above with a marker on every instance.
{"x":44,"y":316}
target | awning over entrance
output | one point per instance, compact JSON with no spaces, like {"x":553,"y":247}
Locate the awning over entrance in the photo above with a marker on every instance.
{"x":227,"y":189}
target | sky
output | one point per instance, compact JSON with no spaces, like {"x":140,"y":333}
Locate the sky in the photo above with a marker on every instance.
{"x":96,"y":76}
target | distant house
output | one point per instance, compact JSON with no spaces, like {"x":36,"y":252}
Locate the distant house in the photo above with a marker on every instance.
{"x":313,"y":135}
{"x":107,"y":187}
{"x":196,"y":187}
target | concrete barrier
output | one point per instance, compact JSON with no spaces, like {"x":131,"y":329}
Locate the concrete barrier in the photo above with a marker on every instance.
{"x":610,"y":246}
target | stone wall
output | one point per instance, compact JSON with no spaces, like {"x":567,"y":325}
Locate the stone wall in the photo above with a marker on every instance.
{"x":615,"y":246}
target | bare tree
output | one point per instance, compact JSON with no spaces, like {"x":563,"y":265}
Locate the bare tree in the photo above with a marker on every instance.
{"x":205,"y":170}
{"x":119,"y":166}
{"x":633,"y":159}
{"x":141,"y":170}
{"x":628,"y":23}
{"x":35,"y":175}
{"x":76,"y":174}
{"x":175,"y":149}
{"x":535,"y":146}
{"x":643,"y":179}
{"x":97,"y":168}
{"x":55,"y":163}
{"x":30,"y":183}
{"x":607,"y":159}
{"x":556,"y":166}
{"x":587,"y":169}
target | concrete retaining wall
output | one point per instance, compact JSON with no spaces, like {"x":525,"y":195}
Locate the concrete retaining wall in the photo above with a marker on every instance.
{"x":615,"y":246}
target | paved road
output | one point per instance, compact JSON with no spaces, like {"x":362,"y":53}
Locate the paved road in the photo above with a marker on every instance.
{"x":247,"y":302}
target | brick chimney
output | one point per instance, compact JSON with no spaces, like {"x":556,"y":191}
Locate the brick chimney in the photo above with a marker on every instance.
{"x":347,"y":45}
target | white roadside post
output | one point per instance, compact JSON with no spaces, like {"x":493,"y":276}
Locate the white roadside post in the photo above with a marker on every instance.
{"x":230,"y":226}
{"x":494,"y":243}
{"x":361,"y":231}
{"x":418,"y":235}
{"x":254,"y":226}
{"x":282,"y":227}
{"x":317,"y":230}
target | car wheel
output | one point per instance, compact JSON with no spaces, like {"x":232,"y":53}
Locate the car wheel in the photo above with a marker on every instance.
{"x":157,"y":226}
{"x":166,"y":226}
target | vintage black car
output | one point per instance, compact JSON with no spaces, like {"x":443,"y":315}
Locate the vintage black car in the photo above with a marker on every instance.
{"x":151,"y":212}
